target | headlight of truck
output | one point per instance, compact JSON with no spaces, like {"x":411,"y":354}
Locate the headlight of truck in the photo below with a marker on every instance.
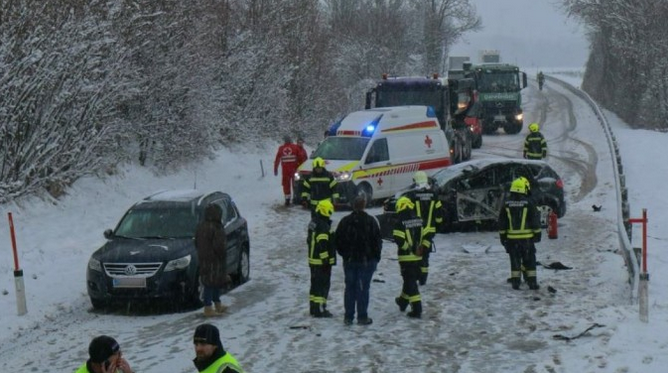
{"x":343,"y":177}
{"x":179,"y":263}
{"x":297,"y":176}
{"x":519,"y":117}
{"x":95,"y":265}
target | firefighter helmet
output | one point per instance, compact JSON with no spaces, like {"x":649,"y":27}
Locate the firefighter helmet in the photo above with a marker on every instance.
{"x":420,"y":179}
{"x":527,"y":184}
{"x":325,"y":208}
{"x":318,"y":162}
{"x":519,"y":185}
{"x":404,"y":203}
{"x":533,"y":127}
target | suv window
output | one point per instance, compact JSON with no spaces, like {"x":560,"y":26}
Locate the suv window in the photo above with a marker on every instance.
{"x":157,"y":222}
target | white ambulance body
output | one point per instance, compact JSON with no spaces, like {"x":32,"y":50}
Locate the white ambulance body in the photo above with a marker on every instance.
{"x":376,"y":152}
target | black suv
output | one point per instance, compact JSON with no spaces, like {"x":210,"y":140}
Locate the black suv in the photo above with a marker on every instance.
{"x":473,"y":192}
{"x":151,"y":252}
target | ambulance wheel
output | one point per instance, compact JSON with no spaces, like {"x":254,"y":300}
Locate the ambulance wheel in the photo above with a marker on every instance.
{"x":365,"y":191}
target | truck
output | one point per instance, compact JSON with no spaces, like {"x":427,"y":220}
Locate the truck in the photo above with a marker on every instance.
{"x":498,"y":87}
{"x":490,"y":56}
{"x":432,"y":91}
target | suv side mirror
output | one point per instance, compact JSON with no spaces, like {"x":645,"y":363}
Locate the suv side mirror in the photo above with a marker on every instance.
{"x":108,"y":233}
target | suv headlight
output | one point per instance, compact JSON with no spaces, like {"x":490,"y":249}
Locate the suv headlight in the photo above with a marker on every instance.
{"x":94,"y":265}
{"x":343,"y":177}
{"x":297,"y":176}
{"x":519,"y":116}
{"x":179,"y":263}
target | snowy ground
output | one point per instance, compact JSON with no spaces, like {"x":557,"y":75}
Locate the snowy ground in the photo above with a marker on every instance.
{"x":473,"y":322}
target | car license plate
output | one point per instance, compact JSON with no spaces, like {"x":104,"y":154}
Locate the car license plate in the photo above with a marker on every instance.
{"x":499,"y":118}
{"x":129,"y":282}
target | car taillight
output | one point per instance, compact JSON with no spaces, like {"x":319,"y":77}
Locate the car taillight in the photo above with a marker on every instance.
{"x":560,"y":184}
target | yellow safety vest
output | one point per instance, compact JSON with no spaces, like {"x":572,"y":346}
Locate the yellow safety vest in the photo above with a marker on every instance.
{"x":227,"y":361}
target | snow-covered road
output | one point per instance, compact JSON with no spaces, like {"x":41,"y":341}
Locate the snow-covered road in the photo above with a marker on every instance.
{"x":472,"y":321}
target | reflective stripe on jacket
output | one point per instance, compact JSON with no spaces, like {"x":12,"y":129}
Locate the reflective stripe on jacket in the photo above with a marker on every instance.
{"x":320,"y":250}
{"x":519,"y":218}
{"x":408,"y":234}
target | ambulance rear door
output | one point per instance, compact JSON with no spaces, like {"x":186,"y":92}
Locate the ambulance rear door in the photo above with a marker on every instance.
{"x":413,"y":151}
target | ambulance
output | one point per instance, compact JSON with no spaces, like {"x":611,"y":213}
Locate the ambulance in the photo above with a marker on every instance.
{"x":375,"y":152}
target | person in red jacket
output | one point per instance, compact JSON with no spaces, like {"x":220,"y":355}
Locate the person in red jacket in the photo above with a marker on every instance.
{"x":290,"y":156}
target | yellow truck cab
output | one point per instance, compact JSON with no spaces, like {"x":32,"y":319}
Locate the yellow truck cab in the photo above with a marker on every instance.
{"x":375,"y":152}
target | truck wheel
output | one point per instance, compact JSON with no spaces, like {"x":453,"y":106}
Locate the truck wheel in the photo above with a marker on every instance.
{"x":512,"y":128}
{"x":477,"y":142}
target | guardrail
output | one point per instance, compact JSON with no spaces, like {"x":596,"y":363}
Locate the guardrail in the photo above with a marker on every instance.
{"x":623,"y":211}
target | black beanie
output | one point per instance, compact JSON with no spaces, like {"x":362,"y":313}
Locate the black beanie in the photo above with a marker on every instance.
{"x":101,"y":348}
{"x":207,"y":333}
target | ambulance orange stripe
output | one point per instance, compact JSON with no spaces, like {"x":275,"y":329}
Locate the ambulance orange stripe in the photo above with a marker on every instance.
{"x":428,"y":124}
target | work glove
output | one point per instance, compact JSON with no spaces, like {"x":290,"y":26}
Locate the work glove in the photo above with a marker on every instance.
{"x":420,"y":250}
{"x":537,"y":237}
{"x":275,"y":172}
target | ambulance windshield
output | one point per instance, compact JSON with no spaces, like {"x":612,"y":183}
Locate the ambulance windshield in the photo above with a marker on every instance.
{"x":337,"y":148}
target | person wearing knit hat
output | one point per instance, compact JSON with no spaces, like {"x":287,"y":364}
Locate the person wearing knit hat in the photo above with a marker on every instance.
{"x":210,"y":354}
{"x":104,"y":357}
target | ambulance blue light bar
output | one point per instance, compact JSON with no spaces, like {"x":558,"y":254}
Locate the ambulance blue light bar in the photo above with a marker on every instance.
{"x":370,"y":128}
{"x":431,"y":113}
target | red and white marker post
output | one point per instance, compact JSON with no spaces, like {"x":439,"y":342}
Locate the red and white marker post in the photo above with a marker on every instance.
{"x":643,"y":295}
{"x":18,"y":273}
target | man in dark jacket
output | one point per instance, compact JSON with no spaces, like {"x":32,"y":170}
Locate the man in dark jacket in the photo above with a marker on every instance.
{"x":430,"y":209}
{"x":519,"y":229}
{"x":407,"y":235}
{"x":321,"y":258}
{"x":211,"y":356}
{"x":211,"y":245}
{"x":359,"y":243}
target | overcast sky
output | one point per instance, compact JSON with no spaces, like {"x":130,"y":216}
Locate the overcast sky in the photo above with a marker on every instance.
{"x":531,"y":33}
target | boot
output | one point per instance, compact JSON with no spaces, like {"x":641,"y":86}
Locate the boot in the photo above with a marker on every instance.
{"x":219,"y":307}
{"x":325,"y":313}
{"x":210,"y":312}
{"x":287,"y":201}
{"x":314,"y":310}
{"x":515,"y":282}
{"x":533,"y":283}
{"x":402,"y":303}
{"x":416,"y":310}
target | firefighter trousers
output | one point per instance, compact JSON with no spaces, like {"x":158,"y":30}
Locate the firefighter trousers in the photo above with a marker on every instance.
{"x":410,"y":292}
{"x":320,"y":283}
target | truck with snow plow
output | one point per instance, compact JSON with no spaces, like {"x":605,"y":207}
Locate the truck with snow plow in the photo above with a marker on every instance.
{"x":431,"y":91}
{"x":498,"y":87}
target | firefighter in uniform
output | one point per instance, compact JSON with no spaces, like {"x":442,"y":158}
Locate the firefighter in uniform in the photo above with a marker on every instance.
{"x":430,"y":209}
{"x":319,"y":186}
{"x":519,"y":230}
{"x":290,"y":156}
{"x":321,"y":257}
{"x":407,"y":234}
{"x":535,"y":145}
